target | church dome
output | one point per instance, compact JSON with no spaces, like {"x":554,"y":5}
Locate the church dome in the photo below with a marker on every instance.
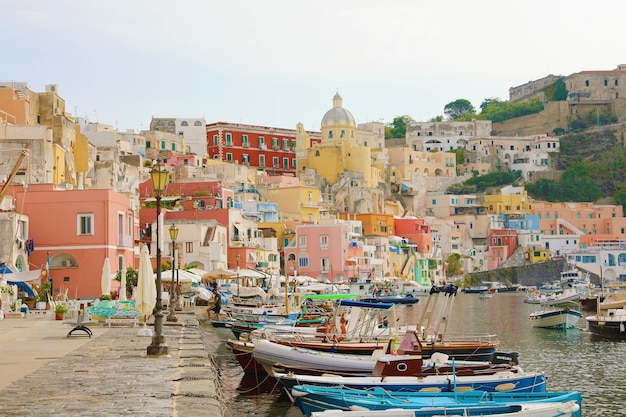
{"x":338,"y":116}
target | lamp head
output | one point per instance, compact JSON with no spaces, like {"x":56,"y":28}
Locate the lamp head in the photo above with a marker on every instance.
{"x":158,"y":174}
{"x":173,"y":232}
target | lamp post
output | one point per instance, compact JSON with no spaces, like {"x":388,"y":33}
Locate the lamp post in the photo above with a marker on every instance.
{"x":174,"y":288}
{"x":158,"y":347}
{"x":237,"y":257}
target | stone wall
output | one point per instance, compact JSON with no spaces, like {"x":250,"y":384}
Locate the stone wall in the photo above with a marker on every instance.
{"x":534,"y":274}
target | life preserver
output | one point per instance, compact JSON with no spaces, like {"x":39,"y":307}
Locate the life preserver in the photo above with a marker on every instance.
{"x":591,"y":286}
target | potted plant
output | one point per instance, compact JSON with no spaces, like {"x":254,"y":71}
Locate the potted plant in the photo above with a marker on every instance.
{"x":42,"y":299}
{"x":59,"y":311}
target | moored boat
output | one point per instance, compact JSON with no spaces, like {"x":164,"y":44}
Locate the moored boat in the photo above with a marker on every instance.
{"x":314,"y":399}
{"x":608,"y":323}
{"x":556,"y":318}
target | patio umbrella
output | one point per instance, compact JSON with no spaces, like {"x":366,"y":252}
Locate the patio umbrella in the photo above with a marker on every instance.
{"x":145,"y":297}
{"x":183,"y":276}
{"x":220,"y":273}
{"x":123,"y":285}
{"x":106,"y":277}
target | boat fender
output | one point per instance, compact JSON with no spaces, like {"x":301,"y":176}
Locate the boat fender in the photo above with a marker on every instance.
{"x":510,"y":358}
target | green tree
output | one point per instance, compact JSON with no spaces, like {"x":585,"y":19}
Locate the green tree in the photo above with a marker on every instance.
{"x":489,"y":102}
{"x":458,"y":108}
{"x":453,"y":265}
{"x":560,"y":90}
{"x":436,"y":119}
{"x":397,"y":128}
{"x":131,"y":279}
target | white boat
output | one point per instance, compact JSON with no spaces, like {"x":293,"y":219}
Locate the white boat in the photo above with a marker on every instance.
{"x":609,"y":323}
{"x":556,"y":318}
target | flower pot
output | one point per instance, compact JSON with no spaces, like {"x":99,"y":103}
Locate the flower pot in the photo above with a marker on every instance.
{"x":41,"y":305}
{"x":59,"y":316}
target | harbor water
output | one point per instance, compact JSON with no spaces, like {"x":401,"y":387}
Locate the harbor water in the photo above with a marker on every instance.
{"x":573,"y":359}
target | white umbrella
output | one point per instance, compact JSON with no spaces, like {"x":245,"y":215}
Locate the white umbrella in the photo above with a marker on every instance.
{"x":106,"y":277}
{"x":203,"y":293}
{"x":145,"y":297}
{"x":219,"y":273}
{"x":123,"y":285}
{"x":183,"y":276}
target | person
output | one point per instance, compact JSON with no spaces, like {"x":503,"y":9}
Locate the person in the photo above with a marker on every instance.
{"x":216,"y":306}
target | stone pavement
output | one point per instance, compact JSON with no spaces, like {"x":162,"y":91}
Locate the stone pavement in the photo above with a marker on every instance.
{"x":44,"y":373}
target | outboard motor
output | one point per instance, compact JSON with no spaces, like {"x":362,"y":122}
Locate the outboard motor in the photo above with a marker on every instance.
{"x":507,"y":358}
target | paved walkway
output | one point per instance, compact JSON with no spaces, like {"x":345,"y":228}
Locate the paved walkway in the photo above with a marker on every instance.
{"x":44,"y":373}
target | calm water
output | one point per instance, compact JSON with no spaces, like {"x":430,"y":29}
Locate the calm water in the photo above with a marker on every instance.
{"x":574,"y":360}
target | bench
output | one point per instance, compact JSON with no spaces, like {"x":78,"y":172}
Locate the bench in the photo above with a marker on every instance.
{"x":81,"y":326}
{"x":129,"y":320}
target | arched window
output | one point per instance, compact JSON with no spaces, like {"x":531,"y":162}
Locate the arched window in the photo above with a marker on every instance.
{"x":159,"y":123}
{"x":197,"y":123}
{"x":621,"y":259}
{"x":184,"y":123}
{"x":170,"y":123}
{"x":611,"y":260}
{"x":343,"y":134}
{"x":317,"y":153}
{"x":330,"y":134}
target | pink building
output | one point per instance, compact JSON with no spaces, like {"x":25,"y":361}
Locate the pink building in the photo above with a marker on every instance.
{"x":323,"y":250}
{"x":502,"y":244}
{"x":78,"y":229}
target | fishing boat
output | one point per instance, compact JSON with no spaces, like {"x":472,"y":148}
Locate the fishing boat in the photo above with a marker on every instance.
{"x":313,"y":399}
{"x":608,"y":323}
{"x":557,"y":315}
{"x":278,"y":358}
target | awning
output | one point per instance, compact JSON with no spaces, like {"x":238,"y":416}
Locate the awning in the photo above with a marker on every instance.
{"x":22,"y":276}
{"x":237,"y":225}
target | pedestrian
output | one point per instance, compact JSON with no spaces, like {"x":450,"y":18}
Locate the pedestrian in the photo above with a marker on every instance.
{"x":216,"y":306}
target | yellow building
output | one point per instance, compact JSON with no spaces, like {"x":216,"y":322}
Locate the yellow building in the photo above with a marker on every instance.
{"x":537,"y":255}
{"x":299,"y":202}
{"x":339,"y":150}
{"x":510,"y":200}
{"x":373,"y":224}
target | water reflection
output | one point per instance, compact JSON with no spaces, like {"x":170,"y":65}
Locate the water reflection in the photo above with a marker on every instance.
{"x":573,"y":359}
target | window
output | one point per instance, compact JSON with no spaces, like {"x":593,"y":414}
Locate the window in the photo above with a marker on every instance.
{"x":197,"y":123}
{"x":275,"y":162}
{"x":174,"y":146}
{"x":285,"y":163}
{"x":261,"y":161}
{"x":261,"y":142}
{"x":229,"y":139}
{"x":184,"y":123}
{"x":160,"y":123}
{"x":325,"y":263}
{"x":293,"y":163}
{"x":189,"y":247}
{"x":244,"y":141}
{"x":245,"y":159}
{"x":293,"y":145}
{"x":215,"y":140}
{"x":285,"y":144}
{"x":303,"y":261}
{"x":330,"y":134}
{"x":85,"y":224}
{"x":275,"y":144}
{"x":343,"y":134}
{"x":324,"y":241}
{"x":302,"y":242}
{"x":162,"y":144}
{"x":229,"y":156}
{"x":171,"y":123}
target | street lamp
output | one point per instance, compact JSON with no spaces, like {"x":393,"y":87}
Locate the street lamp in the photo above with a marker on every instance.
{"x":174,"y":288}
{"x":237,"y":257}
{"x":158,"y":347}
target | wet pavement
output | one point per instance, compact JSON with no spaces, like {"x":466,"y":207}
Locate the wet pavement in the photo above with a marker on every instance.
{"x":45,"y":373}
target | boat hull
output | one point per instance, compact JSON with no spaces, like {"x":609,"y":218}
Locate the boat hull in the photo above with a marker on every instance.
{"x":508,"y":381}
{"x":612,"y":325}
{"x":312,"y":399}
{"x":556,"y":319}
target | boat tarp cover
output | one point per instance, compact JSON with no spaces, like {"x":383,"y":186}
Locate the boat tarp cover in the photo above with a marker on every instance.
{"x":365,"y":304}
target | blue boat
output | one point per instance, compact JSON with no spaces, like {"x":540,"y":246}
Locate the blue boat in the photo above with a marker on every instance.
{"x":313,"y":399}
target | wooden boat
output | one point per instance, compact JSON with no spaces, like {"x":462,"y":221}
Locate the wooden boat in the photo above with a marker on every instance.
{"x":513,"y":380}
{"x":243,"y":353}
{"x":313,"y":399}
{"x":276,"y":357}
{"x":556,"y":318}
{"x":558,"y":314}
{"x":395,"y":299}
{"x":609,"y":323}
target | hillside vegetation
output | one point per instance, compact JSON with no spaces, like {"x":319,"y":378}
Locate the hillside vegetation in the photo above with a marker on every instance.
{"x":593,"y":165}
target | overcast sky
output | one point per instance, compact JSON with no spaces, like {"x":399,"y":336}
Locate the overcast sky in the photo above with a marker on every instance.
{"x":280,"y":62}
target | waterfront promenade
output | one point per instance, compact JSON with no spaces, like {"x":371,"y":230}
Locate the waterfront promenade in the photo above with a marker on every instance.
{"x":44,"y":373}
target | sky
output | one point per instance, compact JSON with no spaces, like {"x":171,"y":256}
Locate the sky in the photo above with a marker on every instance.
{"x":280,"y":62}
